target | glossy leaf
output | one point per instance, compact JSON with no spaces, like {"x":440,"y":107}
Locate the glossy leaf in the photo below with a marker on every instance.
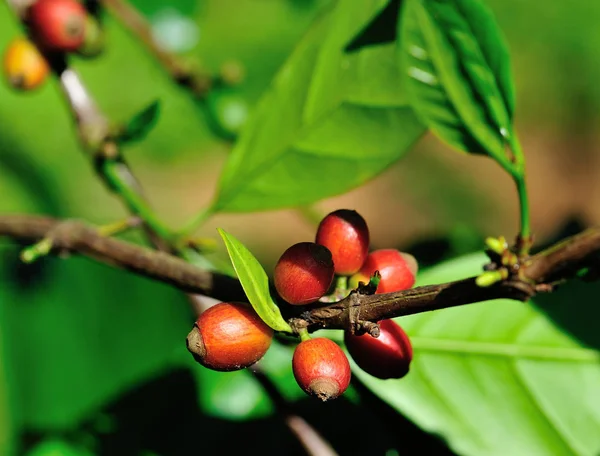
{"x":141,"y":124}
{"x":255,"y":282}
{"x":497,"y":378}
{"x":456,"y":69}
{"x":330,"y":121}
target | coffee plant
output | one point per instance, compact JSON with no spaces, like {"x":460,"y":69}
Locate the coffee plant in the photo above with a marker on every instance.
{"x":146,"y":333}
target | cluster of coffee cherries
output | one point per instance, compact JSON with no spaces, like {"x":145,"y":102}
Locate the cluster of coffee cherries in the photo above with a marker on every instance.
{"x":231,"y":336}
{"x":55,"y":27}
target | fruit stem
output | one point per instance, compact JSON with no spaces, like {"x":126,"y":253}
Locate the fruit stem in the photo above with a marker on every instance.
{"x":341,"y":284}
{"x":304,"y":335}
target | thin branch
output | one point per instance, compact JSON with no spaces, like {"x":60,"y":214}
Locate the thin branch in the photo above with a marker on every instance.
{"x":76,"y":237}
{"x":196,"y":80}
{"x":538,"y":273}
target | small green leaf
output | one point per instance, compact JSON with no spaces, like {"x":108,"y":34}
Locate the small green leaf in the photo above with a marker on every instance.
{"x":141,"y":123}
{"x":456,"y":68}
{"x":255,"y":282}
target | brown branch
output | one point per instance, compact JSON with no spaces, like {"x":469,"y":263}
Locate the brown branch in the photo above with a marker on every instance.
{"x":538,"y":273}
{"x":76,"y":237}
{"x":197,"y":81}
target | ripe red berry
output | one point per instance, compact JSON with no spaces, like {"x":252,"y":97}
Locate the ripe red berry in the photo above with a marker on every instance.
{"x":345,"y":233}
{"x":321,"y":368}
{"x":229,"y":336}
{"x":24,"y":67}
{"x":398,"y":270}
{"x":58,"y":25}
{"x":387,"y":356}
{"x":304,"y":273}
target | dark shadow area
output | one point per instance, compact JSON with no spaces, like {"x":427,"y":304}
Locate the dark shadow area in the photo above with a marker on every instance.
{"x":381,"y":30}
{"x":26,"y":277}
{"x":162,"y":417}
{"x":407,"y":438}
{"x":574,"y":305}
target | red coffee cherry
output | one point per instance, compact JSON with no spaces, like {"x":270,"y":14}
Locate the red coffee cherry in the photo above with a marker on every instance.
{"x":304,"y":273}
{"x":321,"y":368}
{"x":229,"y":336}
{"x":58,"y":25}
{"x":398,"y":270}
{"x":387,"y":356}
{"x":345,"y":233}
{"x":24,"y":67}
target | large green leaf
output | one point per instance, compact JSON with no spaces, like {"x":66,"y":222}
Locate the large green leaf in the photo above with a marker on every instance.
{"x":74,"y":342}
{"x":330,"y":121}
{"x":456,"y":69}
{"x":497,"y":378}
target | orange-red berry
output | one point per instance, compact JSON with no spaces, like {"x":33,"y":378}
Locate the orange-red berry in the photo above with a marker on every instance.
{"x":321,"y":368}
{"x":25,"y":67}
{"x":58,"y":25}
{"x":229,"y":336}
{"x":304,"y":273}
{"x":387,"y":356}
{"x":398,"y":270}
{"x":345,"y":233}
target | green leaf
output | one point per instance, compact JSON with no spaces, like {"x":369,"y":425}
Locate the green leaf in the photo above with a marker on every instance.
{"x":456,"y":69}
{"x":90,"y":333}
{"x":497,"y":378}
{"x":330,"y":121}
{"x":141,"y":124}
{"x":255,"y":282}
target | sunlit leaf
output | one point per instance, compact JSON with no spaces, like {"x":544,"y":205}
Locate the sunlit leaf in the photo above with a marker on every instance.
{"x":331,"y":120}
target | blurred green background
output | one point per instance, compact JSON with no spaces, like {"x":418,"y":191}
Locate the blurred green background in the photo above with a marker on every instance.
{"x":93,"y":359}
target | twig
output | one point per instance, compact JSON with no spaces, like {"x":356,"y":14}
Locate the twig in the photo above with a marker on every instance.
{"x":197,"y":81}
{"x":76,"y":237}
{"x":538,"y":274}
